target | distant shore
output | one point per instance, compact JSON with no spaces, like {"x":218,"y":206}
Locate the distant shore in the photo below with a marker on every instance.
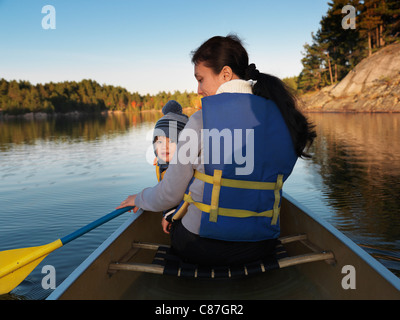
{"x":373,"y":86}
{"x":78,"y":114}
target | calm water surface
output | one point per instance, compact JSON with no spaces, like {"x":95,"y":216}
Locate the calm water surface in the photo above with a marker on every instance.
{"x":60,"y":174}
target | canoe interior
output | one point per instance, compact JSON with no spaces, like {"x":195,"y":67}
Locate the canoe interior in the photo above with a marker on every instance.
{"x":317,"y":280}
{"x":373,"y":280}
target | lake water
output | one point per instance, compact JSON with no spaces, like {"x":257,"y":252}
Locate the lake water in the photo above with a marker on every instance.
{"x":59,"y":174}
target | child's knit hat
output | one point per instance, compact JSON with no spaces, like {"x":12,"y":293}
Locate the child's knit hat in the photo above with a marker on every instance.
{"x":172,"y":123}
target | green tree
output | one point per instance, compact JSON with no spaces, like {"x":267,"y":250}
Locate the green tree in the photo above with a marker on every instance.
{"x":3,"y":87}
{"x":390,"y":28}
{"x":371,"y":20}
{"x":86,"y":95}
{"x":312,"y":77}
{"x":335,"y":51}
{"x":341,"y":47}
{"x":291,"y":82}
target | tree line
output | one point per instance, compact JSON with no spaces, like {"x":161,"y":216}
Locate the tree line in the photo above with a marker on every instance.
{"x":18,"y":97}
{"x":334,"y":51}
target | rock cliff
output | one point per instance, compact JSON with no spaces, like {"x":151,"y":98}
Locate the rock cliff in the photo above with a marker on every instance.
{"x":372,"y":86}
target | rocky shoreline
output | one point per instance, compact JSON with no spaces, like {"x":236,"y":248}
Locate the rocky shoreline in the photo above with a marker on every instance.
{"x":372,"y":86}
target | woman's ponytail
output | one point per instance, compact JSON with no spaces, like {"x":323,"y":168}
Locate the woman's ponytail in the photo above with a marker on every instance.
{"x":273,"y":88}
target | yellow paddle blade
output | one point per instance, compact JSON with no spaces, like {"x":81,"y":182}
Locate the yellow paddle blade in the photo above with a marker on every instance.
{"x":17,"y":264}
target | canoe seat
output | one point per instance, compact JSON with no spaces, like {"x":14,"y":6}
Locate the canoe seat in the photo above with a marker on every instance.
{"x":167,"y":263}
{"x":174,"y":266}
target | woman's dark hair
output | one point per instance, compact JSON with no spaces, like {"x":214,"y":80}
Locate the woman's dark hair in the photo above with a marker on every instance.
{"x":218,"y":52}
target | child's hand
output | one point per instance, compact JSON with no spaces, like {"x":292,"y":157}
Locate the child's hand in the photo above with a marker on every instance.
{"x":129,"y":202}
{"x":166,"y":225}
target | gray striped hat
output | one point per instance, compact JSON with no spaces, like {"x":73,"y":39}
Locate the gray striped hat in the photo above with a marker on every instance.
{"x":172,"y":123}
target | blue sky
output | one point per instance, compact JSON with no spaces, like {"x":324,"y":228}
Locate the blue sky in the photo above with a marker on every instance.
{"x":144,"y":45}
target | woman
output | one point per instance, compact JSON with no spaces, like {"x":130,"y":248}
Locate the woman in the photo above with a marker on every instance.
{"x":230,"y":212}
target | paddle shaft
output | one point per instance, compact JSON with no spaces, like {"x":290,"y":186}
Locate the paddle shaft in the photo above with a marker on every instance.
{"x":94,"y":224}
{"x":15,"y":265}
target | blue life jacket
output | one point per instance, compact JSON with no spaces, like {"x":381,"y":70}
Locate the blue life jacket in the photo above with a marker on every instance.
{"x":244,"y":169}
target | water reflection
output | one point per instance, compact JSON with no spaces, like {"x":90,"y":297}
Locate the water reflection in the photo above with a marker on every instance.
{"x":59,"y":174}
{"x":64,"y":172}
{"x":358,"y":159}
{"x":76,"y":127}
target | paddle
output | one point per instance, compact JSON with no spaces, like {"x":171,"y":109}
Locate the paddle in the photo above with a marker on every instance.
{"x":17,"y":264}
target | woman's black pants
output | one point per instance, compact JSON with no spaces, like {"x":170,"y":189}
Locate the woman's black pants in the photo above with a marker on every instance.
{"x":194,"y":249}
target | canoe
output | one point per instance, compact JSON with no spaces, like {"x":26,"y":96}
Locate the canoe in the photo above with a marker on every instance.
{"x":322,"y":263}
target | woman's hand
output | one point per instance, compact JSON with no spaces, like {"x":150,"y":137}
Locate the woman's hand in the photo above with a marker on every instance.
{"x":129,"y":202}
{"x":166,"y":226}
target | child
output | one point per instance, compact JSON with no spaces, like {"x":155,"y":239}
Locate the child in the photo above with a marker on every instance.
{"x":165,"y":139}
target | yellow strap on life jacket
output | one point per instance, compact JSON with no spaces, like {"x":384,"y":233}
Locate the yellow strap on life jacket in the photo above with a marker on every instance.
{"x":214,"y":210}
{"x":182,"y":210}
{"x":237,"y":213}
{"x":159,"y":177}
{"x":276,"y":209}
{"x":217,"y":181}
{"x":241,"y":184}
